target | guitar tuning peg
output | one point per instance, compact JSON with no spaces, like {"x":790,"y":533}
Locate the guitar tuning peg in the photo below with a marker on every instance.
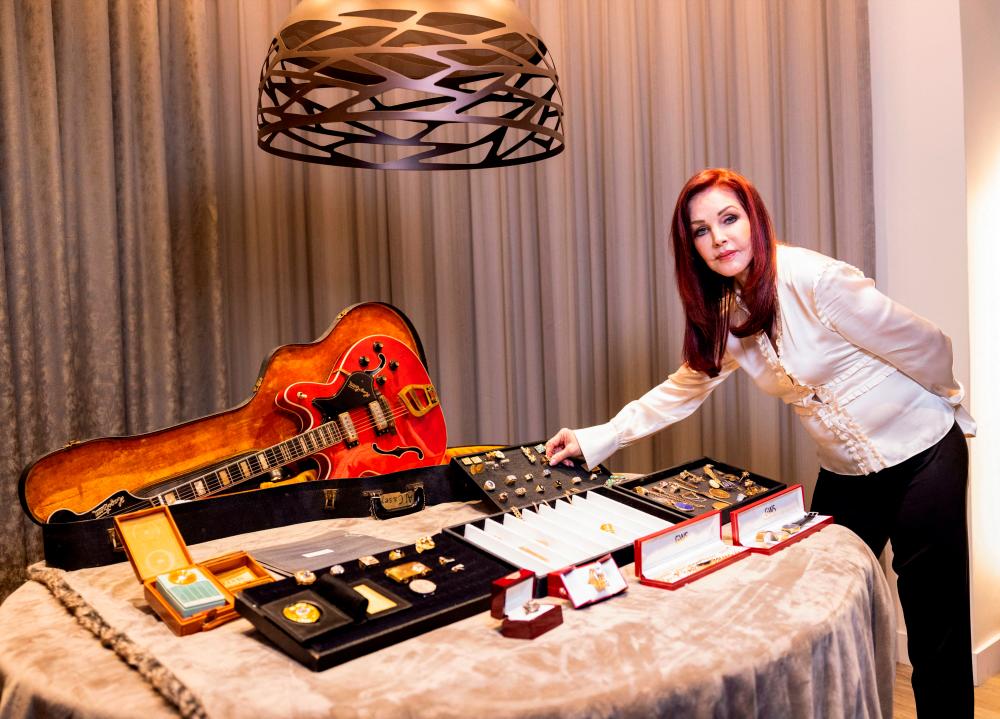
{"x":300,"y":395}
{"x":377,"y":346}
{"x":381,"y":380}
{"x":393,"y":365}
{"x":363,"y":361}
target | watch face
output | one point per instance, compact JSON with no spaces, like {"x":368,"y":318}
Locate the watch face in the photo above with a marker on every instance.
{"x":423,"y":586}
{"x":302,"y":613}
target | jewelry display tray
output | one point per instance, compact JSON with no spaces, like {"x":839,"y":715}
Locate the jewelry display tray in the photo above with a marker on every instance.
{"x":479,"y":469}
{"x":628,"y":487}
{"x":458,"y":595}
{"x":622,"y":555}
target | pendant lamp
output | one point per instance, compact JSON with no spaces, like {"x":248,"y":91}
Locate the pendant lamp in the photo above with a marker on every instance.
{"x":409,"y":84}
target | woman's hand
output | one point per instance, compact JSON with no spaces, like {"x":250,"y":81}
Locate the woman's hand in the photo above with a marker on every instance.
{"x":562,"y":446}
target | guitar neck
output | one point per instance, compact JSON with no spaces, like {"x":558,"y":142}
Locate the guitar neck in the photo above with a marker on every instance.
{"x":254,"y":465}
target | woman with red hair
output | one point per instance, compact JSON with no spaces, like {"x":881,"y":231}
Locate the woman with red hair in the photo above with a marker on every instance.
{"x":871,"y":381}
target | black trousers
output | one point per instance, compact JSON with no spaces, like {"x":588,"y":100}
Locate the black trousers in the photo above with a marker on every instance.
{"x":919,"y":505}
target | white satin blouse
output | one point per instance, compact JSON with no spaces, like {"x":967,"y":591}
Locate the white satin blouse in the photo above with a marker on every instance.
{"x":871,"y":381}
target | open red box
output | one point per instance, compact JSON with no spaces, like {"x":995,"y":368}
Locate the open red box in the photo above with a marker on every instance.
{"x":764,"y":526}
{"x":513,"y":601}
{"x":687,"y":551}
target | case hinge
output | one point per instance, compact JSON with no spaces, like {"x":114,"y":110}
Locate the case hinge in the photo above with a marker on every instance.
{"x":330,"y":499}
{"x":116,"y":541}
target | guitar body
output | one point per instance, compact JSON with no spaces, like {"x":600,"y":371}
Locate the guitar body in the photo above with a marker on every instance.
{"x":390,"y":403}
{"x":82,"y":476}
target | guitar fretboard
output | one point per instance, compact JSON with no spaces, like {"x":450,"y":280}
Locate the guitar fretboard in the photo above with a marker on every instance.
{"x":255,"y":465}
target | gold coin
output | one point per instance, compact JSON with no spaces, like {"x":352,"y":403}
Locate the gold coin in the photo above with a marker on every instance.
{"x":302,"y":613}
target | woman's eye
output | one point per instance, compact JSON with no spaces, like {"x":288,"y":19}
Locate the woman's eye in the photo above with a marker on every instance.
{"x":699,"y":231}
{"x":730,"y":219}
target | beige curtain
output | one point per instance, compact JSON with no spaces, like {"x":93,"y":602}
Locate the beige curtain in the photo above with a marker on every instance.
{"x":153,"y":256}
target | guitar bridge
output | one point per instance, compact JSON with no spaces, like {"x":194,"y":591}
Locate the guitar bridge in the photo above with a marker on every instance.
{"x":419,"y":399}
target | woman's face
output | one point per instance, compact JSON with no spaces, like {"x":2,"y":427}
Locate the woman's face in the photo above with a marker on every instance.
{"x":721,"y":231}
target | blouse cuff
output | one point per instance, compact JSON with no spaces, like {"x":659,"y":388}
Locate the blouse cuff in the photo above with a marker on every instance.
{"x":597,"y":443}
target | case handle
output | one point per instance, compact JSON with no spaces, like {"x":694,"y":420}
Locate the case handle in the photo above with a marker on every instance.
{"x":386,"y":505}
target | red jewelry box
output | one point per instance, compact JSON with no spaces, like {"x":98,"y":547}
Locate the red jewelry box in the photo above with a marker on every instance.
{"x":588,"y":583}
{"x":154,"y":546}
{"x":685,"y":552}
{"x":512,"y":600}
{"x":769,"y":515}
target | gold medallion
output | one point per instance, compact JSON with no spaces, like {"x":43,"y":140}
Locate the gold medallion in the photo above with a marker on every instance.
{"x":302,"y":613}
{"x":718,"y":493}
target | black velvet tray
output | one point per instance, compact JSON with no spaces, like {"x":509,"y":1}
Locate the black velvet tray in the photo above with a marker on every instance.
{"x":526,"y":464}
{"x":696,"y":467}
{"x":458,"y":595}
{"x":622,"y":556}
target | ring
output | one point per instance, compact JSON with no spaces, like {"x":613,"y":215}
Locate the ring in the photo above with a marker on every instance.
{"x":304,"y":577}
{"x":458,"y":568}
{"x":443,"y":560}
{"x":337,"y":569}
{"x":608,"y":527}
{"x":396,"y":554}
{"x":531,"y":607}
{"x":489,"y":485}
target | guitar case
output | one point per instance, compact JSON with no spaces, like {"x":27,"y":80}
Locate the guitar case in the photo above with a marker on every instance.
{"x":76,"y":474}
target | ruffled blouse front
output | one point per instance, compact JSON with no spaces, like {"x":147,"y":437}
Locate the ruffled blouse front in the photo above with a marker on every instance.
{"x":871,"y":381}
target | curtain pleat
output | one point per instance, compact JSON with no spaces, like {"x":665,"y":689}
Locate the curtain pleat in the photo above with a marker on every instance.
{"x":153,"y":256}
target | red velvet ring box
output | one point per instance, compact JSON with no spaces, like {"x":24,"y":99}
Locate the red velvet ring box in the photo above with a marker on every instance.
{"x":513,"y":601}
{"x":588,"y":583}
{"x":685,"y":552}
{"x":763,"y":526}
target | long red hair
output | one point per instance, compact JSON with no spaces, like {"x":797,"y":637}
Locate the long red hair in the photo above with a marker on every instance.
{"x":708,"y":297}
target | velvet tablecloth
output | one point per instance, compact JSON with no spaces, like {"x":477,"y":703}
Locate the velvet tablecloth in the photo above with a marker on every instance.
{"x":807,"y":632}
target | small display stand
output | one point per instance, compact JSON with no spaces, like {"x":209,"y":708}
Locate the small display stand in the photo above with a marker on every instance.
{"x":588,"y":583}
{"x":685,"y":552}
{"x":188,"y":597}
{"x":775,"y":522}
{"x":523,"y":617}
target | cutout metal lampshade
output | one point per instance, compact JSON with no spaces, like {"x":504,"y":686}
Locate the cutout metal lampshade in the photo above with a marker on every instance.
{"x":409,"y":84}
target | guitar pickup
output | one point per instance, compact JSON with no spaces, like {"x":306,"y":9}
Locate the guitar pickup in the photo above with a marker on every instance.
{"x":347,"y":425}
{"x":419,"y":399}
{"x":382,"y":422}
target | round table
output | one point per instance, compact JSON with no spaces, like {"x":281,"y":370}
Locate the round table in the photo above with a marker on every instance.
{"x":808,"y":631}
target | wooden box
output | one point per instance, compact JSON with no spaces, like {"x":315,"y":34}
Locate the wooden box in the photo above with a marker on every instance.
{"x":155,"y":547}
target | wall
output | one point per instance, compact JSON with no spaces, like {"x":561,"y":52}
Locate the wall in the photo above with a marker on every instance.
{"x":929,"y":226}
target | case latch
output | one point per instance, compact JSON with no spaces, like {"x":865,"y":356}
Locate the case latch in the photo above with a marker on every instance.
{"x":329,"y":499}
{"x":385,"y":505}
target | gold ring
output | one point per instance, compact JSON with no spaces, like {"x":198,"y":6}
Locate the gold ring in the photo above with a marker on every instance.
{"x":608,"y":527}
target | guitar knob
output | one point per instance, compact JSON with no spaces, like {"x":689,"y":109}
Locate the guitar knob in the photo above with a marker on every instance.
{"x":377,"y":346}
{"x":394,"y":365}
{"x":381,"y":380}
{"x":301,"y":395}
{"x":363,"y":361}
